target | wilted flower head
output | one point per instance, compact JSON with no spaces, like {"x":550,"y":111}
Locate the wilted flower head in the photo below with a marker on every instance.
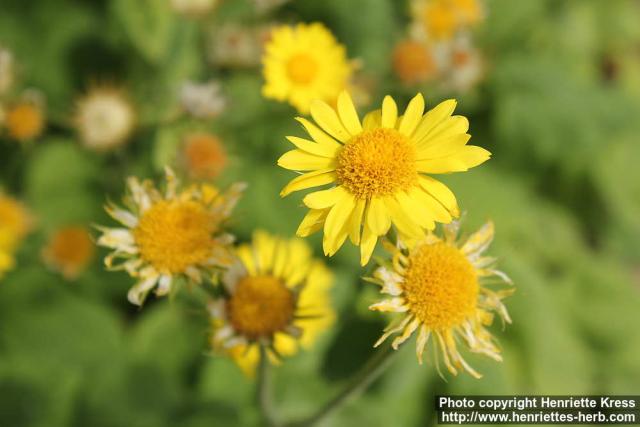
{"x":104,"y":118}
{"x":466,"y":65}
{"x":202,"y":100}
{"x":234,"y":45}
{"x":440,"y":289}
{"x":203,"y":155}
{"x":170,"y":234}
{"x":378,"y":170}
{"x":25,"y":120}
{"x":304,"y":63}
{"x":276,"y":295}
{"x":69,"y":250}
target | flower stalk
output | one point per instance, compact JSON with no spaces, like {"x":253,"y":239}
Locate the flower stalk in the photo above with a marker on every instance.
{"x":263,"y":390}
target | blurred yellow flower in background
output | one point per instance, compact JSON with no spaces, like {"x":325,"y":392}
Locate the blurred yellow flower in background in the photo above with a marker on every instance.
{"x":203,"y":155}
{"x":15,"y":224}
{"x":25,"y":120}
{"x":414,"y":62}
{"x":442,"y":19}
{"x":304,"y":63}
{"x":438,"y":284}
{"x":277,"y":295}
{"x":69,"y":250}
{"x":170,"y":234}
{"x":378,"y":170}
{"x":104,"y":118}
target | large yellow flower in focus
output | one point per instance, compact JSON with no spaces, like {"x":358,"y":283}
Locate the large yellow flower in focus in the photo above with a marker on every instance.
{"x":170,"y":234}
{"x":436,"y":285}
{"x":304,"y":63}
{"x":378,"y":170}
{"x":277,"y":295}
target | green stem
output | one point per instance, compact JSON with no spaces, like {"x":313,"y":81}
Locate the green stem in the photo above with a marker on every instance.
{"x":374,"y":367}
{"x":263,"y":391}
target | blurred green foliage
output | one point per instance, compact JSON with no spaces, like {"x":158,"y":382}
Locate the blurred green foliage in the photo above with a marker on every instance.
{"x":558,"y":109}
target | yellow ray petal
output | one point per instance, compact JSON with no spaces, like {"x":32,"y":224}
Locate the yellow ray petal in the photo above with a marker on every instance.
{"x":314,"y":147}
{"x":441,"y":193}
{"x":324,"y":199}
{"x":479,"y":241}
{"x":412,"y":115}
{"x":302,"y":161}
{"x":442,"y":147}
{"x":312,"y":222}
{"x":348,"y":114}
{"x":378,"y":218}
{"x":308,"y":180}
{"x":339,"y":215}
{"x":462,"y":160}
{"x":367,"y":244}
{"x":389,"y":112}
{"x":451,"y":126}
{"x":318,"y":134}
{"x":433,"y":118}
{"x":355,"y":221}
{"x":372,"y":120}
{"x":328,"y":120}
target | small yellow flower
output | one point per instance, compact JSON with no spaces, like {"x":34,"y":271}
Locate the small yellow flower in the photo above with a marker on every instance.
{"x":277,"y":295}
{"x":104,"y":118}
{"x":69,"y":250}
{"x":168,"y":235}
{"x":438,"y":284}
{"x":377,"y":169}
{"x":304,"y":63}
{"x":204,"y":156}
{"x":25,"y":121}
{"x":442,"y":19}
{"x":15,"y":224}
{"x":413,"y":62}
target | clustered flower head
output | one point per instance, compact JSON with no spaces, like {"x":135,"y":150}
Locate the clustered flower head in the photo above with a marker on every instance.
{"x":203,"y":156}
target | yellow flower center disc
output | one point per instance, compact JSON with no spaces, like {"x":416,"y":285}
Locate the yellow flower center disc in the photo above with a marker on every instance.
{"x":260,"y":306}
{"x":441,"y":286}
{"x":302,"y":68}
{"x":173,"y":235}
{"x":377,"y":163}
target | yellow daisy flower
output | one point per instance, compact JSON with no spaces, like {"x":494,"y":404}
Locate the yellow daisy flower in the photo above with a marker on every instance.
{"x":378,"y":169}
{"x":277,"y":295}
{"x":168,"y":235}
{"x":441,"y":287}
{"x":25,"y":121}
{"x":69,"y":250}
{"x":304,"y":63}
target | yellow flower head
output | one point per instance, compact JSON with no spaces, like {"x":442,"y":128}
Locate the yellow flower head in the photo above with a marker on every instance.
{"x":15,"y":224}
{"x":437,"y":284}
{"x":304,"y":63}
{"x":204,"y":156}
{"x":169,"y":234}
{"x":25,"y":121}
{"x":441,"y":19}
{"x":378,"y":169}
{"x":277,"y":295}
{"x":69,"y":250}
{"x":104,"y":118}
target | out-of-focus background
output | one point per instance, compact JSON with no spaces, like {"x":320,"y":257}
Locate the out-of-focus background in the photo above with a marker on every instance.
{"x":551,"y":88}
